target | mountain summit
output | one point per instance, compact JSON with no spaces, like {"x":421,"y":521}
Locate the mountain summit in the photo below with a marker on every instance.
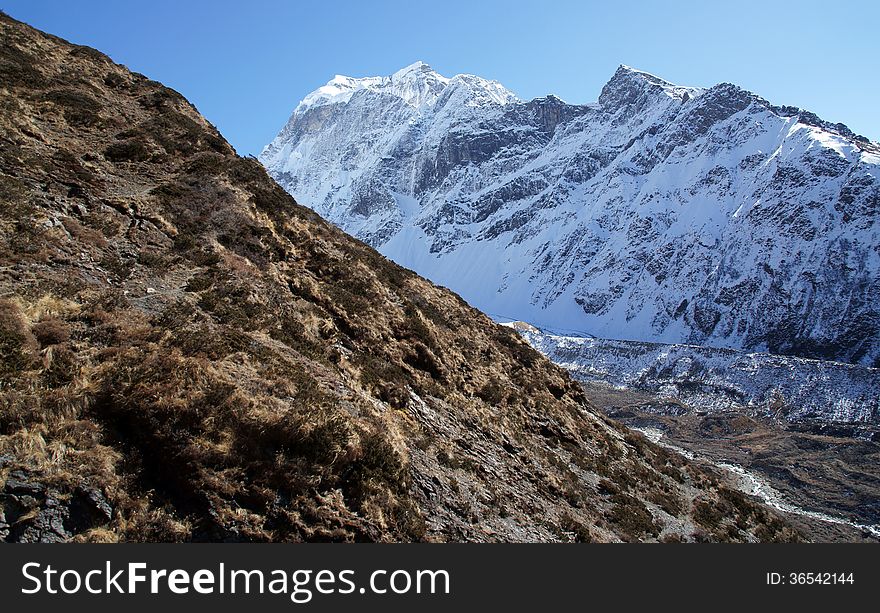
{"x":658,"y":213}
{"x":416,"y":85}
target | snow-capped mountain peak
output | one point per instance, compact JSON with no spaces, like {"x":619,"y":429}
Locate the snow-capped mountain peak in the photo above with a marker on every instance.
{"x":417,"y":84}
{"x":416,"y":68}
{"x":629,"y":86}
{"x":480,"y":91}
{"x":337,"y":90}
{"x":659,"y":213}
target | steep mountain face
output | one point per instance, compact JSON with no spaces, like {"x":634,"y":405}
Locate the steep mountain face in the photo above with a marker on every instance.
{"x":187,"y":354}
{"x":659,"y":213}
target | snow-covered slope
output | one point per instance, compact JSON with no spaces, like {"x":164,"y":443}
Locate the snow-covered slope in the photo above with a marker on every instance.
{"x":659,"y":213}
{"x":708,"y":379}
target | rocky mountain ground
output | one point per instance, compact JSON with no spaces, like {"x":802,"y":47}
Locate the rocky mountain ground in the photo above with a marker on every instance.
{"x":187,"y":354}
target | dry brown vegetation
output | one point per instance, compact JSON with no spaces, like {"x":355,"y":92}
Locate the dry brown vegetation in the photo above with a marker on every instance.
{"x":181,"y":340}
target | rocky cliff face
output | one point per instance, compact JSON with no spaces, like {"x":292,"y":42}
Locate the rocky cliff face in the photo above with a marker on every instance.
{"x":187,"y":354}
{"x":659,"y":213}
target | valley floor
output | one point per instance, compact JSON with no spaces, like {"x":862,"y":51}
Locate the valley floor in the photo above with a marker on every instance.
{"x":801,"y":435}
{"x":827,"y":485}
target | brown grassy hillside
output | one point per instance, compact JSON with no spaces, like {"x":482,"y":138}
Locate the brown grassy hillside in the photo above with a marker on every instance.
{"x":187,"y":354}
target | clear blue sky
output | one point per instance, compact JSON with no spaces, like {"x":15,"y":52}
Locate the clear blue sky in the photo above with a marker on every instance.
{"x":245,"y":64}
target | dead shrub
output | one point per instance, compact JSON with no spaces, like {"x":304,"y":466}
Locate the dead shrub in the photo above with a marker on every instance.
{"x":51,"y":331}
{"x":18,"y":346}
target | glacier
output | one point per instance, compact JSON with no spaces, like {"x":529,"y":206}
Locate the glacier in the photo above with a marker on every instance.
{"x":702,"y":379}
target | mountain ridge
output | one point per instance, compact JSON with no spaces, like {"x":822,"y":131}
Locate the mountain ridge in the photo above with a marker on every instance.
{"x":658,"y":213}
{"x":421,"y":66}
{"x":426,"y":81}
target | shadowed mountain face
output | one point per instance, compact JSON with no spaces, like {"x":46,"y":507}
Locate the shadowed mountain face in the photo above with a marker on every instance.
{"x":659,"y":213}
{"x":187,"y":354}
